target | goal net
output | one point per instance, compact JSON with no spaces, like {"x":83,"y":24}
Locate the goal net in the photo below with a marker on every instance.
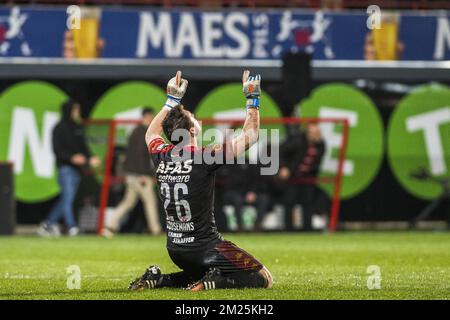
{"x":108,"y":139}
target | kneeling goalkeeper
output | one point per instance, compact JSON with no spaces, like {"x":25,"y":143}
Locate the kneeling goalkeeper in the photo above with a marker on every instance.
{"x":186,"y":188}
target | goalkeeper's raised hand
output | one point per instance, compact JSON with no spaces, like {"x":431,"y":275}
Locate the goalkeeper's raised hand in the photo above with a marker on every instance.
{"x":250,"y":131}
{"x":251,"y":86}
{"x":176,"y":88}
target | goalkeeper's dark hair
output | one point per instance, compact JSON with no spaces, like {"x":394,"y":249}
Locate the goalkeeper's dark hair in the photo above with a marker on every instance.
{"x":147,"y":110}
{"x":176,"y":119}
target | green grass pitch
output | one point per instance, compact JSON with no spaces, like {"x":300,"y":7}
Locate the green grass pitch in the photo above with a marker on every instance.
{"x":414,"y":265}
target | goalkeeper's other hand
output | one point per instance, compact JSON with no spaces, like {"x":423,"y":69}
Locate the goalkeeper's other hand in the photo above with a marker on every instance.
{"x":176,"y":88}
{"x":251,"y":86}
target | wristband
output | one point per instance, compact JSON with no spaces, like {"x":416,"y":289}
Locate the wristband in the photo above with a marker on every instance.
{"x":253,"y":103}
{"x":171,"y":102}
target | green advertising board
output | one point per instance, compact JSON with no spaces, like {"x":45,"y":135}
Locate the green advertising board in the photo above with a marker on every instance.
{"x":418,"y":131}
{"x":365,"y":142}
{"x":419,"y":137}
{"x":28,"y":112}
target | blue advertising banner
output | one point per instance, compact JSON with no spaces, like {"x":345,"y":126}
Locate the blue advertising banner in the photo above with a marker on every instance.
{"x":31,"y":32}
{"x":231,"y":34}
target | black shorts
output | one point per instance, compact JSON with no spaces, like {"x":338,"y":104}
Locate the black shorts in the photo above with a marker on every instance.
{"x":224,"y":255}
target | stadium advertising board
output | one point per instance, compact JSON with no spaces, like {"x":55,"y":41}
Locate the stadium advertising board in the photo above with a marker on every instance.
{"x":223,"y":34}
{"x":28,"y":113}
{"x":415,"y":136}
{"x":366,"y":139}
{"x":418,"y":137}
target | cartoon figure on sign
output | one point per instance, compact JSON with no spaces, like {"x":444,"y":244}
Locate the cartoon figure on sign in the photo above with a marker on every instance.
{"x":11,"y":32}
{"x":305,"y":34}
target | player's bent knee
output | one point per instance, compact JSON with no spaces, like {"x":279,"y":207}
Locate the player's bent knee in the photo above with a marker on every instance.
{"x":265,"y":273}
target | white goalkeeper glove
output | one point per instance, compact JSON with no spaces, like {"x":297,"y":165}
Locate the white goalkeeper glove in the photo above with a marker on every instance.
{"x":251,"y":86}
{"x":176,"y":88}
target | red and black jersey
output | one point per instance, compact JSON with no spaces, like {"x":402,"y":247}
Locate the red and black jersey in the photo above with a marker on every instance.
{"x":186,"y":188}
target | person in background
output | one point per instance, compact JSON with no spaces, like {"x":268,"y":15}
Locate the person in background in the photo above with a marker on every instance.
{"x":259,"y":194}
{"x":242,"y":186}
{"x":72,"y":156}
{"x":229,"y":184}
{"x":139,"y":179}
{"x":234,"y":181}
{"x":301,"y":155}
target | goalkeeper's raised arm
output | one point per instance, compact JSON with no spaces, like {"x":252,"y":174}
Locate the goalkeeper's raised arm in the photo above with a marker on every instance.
{"x":251,"y":86}
{"x":176,"y":88}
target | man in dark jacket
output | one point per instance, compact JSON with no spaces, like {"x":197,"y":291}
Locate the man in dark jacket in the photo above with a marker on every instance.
{"x":302,"y":155}
{"x":139,"y":173}
{"x":72,"y":154}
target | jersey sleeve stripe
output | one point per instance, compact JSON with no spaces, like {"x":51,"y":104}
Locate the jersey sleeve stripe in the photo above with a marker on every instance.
{"x":158,"y":145}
